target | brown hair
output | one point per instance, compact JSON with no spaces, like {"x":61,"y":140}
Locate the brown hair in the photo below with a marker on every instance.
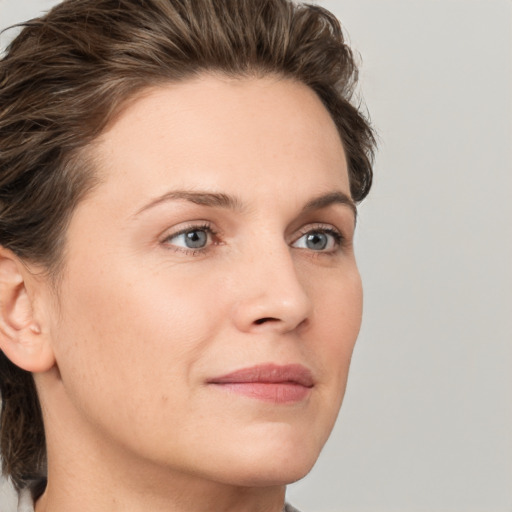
{"x":67,"y":74}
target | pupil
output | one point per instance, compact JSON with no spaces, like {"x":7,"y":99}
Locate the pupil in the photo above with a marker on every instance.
{"x":316,"y":241}
{"x":195,"y":239}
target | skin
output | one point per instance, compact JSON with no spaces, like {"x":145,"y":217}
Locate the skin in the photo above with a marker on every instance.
{"x":141,"y":322}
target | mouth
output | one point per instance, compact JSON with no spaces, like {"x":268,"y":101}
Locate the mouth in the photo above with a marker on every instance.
{"x":268,"y":382}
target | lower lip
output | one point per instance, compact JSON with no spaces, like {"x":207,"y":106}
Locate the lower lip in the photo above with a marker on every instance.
{"x":276,"y":392}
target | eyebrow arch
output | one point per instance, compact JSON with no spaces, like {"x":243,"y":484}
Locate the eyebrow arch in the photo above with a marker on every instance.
{"x":200,"y":198}
{"x":326,"y":200}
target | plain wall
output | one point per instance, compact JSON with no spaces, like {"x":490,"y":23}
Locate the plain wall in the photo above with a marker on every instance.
{"x":427,"y":420}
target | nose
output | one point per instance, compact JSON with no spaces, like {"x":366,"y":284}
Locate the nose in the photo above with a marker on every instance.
{"x":271,"y":296}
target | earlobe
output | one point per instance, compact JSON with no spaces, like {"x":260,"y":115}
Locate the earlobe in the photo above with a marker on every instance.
{"x":22,"y":339}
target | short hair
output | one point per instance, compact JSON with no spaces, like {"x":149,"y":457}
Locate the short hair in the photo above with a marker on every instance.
{"x":68,"y":74}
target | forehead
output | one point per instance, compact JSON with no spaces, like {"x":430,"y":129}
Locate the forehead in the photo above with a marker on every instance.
{"x":223,"y":133}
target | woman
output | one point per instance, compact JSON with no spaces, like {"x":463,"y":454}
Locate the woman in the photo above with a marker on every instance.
{"x":179,"y":296}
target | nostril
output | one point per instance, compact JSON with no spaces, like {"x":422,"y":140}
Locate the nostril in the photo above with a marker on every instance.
{"x":265,"y":319}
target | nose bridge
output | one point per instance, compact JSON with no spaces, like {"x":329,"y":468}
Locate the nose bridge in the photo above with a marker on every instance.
{"x":272,"y":294}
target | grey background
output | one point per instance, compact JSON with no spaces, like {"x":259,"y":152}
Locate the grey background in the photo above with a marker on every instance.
{"x":427,"y":420}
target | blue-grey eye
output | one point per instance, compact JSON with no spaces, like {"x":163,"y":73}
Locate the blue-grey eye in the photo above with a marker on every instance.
{"x":194,"y":238}
{"x":317,"y":240}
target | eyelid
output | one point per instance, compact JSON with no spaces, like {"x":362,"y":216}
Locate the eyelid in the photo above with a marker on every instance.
{"x":181,"y":229}
{"x":329,"y":229}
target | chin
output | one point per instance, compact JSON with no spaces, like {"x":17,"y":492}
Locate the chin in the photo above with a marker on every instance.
{"x":275,"y":463}
{"x":284,"y":475}
{"x":271,"y":474}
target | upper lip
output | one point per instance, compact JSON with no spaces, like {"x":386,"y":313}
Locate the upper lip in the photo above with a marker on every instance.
{"x":268,"y":373}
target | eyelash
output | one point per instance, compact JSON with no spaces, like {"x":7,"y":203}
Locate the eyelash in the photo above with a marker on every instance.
{"x":212,"y":233}
{"x":339,"y":239}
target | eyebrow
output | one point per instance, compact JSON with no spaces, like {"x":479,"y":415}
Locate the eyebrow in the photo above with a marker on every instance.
{"x":220,"y":200}
{"x":330,"y":198}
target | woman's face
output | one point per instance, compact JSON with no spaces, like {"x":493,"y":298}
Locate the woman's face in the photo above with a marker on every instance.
{"x":210,"y":298}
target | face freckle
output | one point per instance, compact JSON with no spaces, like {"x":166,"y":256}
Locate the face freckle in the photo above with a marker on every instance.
{"x":160,"y":333}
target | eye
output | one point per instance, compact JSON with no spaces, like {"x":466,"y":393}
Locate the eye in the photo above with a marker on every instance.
{"x":193,"y":238}
{"x":320,"y":240}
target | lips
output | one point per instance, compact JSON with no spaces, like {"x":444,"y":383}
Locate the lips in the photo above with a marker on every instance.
{"x":268,"y":382}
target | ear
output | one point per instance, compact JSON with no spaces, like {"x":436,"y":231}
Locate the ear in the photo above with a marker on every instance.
{"x":22,"y":338}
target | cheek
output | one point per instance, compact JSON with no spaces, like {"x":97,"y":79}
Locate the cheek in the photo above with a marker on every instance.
{"x":140,"y":334}
{"x":338,"y":304}
{"x":127,"y":350}
{"x":349,"y":311}
{"x":338,"y":312}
